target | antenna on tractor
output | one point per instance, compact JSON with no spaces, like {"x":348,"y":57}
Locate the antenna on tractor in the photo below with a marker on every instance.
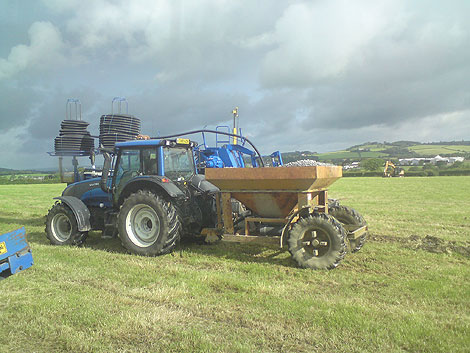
{"x":235,"y":124}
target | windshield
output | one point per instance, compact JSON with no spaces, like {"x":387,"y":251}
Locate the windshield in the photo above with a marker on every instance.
{"x":179,"y":163}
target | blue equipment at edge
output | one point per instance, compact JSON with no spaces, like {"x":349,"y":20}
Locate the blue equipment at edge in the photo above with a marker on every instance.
{"x":15,"y":253}
{"x":229,"y":155}
{"x":230,"y":149}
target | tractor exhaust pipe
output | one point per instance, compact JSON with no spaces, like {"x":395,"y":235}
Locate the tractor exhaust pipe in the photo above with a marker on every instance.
{"x":105,"y":172}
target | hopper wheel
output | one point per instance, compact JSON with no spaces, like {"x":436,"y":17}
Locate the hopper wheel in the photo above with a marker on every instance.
{"x":349,"y":216}
{"x":148,"y":225}
{"x":317,"y":241}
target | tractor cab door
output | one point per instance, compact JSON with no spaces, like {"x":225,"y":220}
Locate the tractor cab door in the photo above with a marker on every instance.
{"x":128,"y":166}
{"x":132,"y":162}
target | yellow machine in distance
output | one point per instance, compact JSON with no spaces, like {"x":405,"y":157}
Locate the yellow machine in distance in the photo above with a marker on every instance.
{"x":391,"y":170}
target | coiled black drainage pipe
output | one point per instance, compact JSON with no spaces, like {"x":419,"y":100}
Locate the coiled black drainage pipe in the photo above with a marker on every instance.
{"x":74,"y":137}
{"x":118,"y":128}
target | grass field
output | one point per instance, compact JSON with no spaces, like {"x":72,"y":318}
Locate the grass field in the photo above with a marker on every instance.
{"x":382,"y":151}
{"x":408,"y":289}
{"x":432,"y":150}
{"x":349,"y":154}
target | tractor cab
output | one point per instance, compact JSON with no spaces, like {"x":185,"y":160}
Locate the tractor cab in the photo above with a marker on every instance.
{"x":172,"y":159}
{"x":167,"y":163}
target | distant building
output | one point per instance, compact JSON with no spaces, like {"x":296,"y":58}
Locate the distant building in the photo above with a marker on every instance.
{"x":418,"y":161}
{"x":456,"y":159}
{"x":351,"y":165}
{"x":438,"y":158}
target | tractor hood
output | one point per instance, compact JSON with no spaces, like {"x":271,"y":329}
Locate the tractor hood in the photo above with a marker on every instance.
{"x":89,"y":191}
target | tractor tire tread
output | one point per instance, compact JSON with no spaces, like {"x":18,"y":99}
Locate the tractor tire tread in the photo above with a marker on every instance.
{"x":171,"y":223}
{"x":337,"y":237}
{"x":76,"y":238}
{"x":348,"y":215}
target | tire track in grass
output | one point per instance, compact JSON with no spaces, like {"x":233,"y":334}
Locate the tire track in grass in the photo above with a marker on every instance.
{"x":428,"y":243}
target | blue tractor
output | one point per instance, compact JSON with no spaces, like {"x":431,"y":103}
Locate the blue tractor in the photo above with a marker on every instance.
{"x":149,"y":194}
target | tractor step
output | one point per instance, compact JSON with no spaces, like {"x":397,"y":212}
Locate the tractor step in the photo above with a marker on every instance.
{"x":110,"y":229}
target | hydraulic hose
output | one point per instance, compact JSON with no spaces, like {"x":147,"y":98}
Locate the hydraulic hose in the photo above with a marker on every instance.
{"x":214,"y":132}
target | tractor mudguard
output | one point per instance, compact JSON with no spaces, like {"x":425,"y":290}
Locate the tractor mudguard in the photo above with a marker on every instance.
{"x":200,"y":183}
{"x":149,"y":183}
{"x":79,"y":209}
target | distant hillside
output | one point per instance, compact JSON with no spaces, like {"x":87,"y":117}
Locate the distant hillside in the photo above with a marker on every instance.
{"x":6,"y":171}
{"x":386,"y":150}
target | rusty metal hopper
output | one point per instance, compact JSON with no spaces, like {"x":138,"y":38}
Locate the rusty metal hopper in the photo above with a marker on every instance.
{"x":272,"y":192}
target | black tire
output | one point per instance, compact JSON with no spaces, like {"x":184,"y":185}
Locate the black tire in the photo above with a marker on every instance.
{"x":317,"y":242}
{"x":62,"y":227}
{"x":174,"y":228}
{"x":148,"y":225}
{"x":333,"y":203}
{"x":349,"y":216}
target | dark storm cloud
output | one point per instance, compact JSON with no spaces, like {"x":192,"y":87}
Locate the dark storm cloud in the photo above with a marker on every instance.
{"x":175,"y":108}
{"x":53,"y":110}
{"x":16,"y":104}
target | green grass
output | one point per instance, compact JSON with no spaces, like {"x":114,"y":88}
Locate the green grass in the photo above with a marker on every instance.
{"x":391,"y":296}
{"x":348,"y":154}
{"x":433,"y":150}
{"x":411,"y":206}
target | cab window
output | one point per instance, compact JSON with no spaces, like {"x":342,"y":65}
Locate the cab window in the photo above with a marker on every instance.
{"x":128,"y":166}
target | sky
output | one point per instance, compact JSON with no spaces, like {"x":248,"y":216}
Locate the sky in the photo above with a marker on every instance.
{"x":305,"y":75}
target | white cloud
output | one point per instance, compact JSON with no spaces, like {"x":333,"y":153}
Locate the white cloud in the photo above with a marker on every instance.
{"x":258,"y":41}
{"x":316,"y":40}
{"x":45,"y":49}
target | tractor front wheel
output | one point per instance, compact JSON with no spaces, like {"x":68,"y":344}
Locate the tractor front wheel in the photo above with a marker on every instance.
{"x":317,"y":241}
{"x":148,"y":225}
{"x":62,"y":227}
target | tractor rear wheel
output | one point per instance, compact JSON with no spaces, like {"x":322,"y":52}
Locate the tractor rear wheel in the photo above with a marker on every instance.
{"x":62,"y":227}
{"x":349,"y":216}
{"x":148,"y":225}
{"x":317,"y":242}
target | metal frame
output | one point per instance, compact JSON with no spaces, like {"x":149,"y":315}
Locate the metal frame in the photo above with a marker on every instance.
{"x":78,"y":109}
{"x":119,"y":101}
{"x":308,"y":201}
{"x":315,"y":200}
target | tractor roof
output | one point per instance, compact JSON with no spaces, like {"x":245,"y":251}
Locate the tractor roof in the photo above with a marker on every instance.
{"x":133,"y":143}
{"x":156,"y":142}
